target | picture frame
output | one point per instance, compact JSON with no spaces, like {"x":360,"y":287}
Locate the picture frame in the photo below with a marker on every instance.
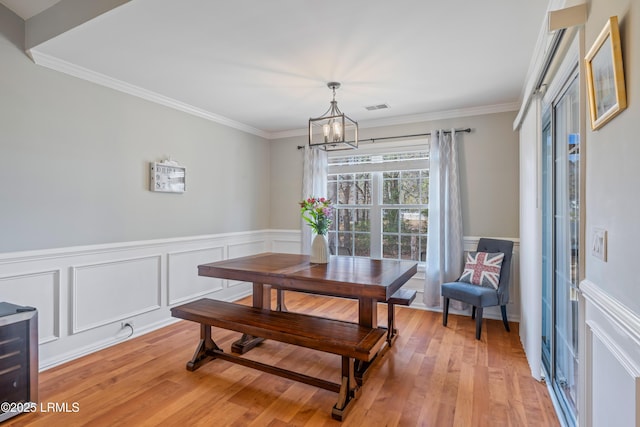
{"x":167,"y":177}
{"x":605,"y":76}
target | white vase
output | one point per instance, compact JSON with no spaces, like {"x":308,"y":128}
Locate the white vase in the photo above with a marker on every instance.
{"x":320,"y":250}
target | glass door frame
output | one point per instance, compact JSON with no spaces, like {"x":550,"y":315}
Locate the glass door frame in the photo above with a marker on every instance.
{"x":550,"y":267}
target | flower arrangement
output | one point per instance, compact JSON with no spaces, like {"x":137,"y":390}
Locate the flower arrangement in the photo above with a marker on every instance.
{"x":317,"y":212}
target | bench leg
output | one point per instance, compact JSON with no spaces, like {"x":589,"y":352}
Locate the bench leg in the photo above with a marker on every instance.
{"x":392,"y":332}
{"x":246,"y":343}
{"x":280,"y":305}
{"x":348,"y":390}
{"x":204,"y":350}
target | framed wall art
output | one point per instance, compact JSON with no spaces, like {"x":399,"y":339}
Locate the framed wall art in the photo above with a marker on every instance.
{"x":167,"y":177}
{"x":605,"y":76}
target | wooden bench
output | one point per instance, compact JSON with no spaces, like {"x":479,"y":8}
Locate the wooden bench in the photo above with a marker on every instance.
{"x":349,"y":340}
{"x":400,"y":297}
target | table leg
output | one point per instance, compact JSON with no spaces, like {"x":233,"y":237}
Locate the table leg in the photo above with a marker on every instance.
{"x":368,"y":312}
{"x":367,"y":316}
{"x":280,"y":305}
{"x":261,"y":299}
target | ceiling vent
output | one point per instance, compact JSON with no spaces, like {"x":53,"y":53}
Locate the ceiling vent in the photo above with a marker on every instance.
{"x":377,"y":107}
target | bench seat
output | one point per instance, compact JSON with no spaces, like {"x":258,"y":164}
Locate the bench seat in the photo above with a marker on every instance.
{"x":349,"y":340}
{"x":318,"y":333}
{"x":401,"y":297}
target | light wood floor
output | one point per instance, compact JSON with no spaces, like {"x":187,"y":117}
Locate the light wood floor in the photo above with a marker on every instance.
{"x":432,"y":376}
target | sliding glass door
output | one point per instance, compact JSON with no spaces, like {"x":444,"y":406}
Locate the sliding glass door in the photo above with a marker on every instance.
{"x":561,"y":245}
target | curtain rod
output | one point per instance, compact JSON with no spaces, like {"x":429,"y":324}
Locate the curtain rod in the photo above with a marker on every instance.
{"x":467,"y":130}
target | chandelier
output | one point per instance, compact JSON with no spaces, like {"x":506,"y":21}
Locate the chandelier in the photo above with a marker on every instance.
{"x":333,"y":130}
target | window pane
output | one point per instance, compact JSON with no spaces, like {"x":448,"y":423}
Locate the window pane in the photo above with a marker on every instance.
{"x":410,"y":247}
{"x":362,"y":189}
{"x":409,"y":191}
{"x":391,"y":191}
{"x":334,"y":222}
{"x":423,"y":248}
{"x":424,"y":217}
{"x":345,"y":243}
{"x":361,"y":220}
{"x":332,"y":188}
{"x":390,"y":220}
{"x":344,"y":219}
{"x":362,"y":244}
{"x":424,"y":187}
{"x":345,"y":189}
{"x":390,"y":246}
{"x":332,"y":242}
{"x":410,"y":221}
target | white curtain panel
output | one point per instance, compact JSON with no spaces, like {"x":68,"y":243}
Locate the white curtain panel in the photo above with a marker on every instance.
{"x":314,"y":184}
{"x":445,"y":240}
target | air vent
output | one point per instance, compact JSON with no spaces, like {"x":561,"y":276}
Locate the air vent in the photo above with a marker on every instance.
{"x":377,"y":107}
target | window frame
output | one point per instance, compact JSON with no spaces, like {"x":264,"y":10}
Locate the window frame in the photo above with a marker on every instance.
{"x":377,"y":170}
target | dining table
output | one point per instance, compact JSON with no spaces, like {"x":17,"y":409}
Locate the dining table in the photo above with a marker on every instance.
{"x":369,"y":281}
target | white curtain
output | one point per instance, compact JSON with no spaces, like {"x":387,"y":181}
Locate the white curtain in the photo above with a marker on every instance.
{"x":445,"y":240}
{"x":314,"y":184}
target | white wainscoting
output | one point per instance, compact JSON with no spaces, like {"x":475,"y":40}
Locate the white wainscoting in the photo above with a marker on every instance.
{"x":85,"y":294}
{"x":36,"y":288}
{"x":612,"y":361}
{"x":125,"y":288}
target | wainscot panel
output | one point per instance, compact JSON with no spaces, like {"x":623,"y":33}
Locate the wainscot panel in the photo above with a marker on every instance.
{"x":40,"y":289}
{"x":85,"y":295}
{"x":612,"y":361}
{"x":106,"y":292}
{"x":182,"y":284}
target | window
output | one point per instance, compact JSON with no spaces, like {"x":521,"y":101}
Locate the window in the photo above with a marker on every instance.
{"x":381,"y":204}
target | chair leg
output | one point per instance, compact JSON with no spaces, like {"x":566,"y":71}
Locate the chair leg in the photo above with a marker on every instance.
{"x":445,"y":312}
{"x":473,"y":312}
{"x":478,"y":322}
{"x":503,"y":308}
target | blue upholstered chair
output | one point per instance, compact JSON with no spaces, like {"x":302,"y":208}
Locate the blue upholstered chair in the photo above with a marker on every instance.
{"x":480,"y":297}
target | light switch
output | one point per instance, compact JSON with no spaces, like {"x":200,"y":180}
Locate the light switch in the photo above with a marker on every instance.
{"x":599,"y":244}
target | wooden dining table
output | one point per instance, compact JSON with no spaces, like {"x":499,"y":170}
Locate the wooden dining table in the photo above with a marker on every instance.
{"x":368,"y":280}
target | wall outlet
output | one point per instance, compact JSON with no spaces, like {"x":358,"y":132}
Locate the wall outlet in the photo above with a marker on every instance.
{"x":599,"y":244}
{"x":126,"y":324}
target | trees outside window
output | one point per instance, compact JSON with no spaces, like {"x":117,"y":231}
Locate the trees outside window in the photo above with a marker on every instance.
{"x":381,"y":205}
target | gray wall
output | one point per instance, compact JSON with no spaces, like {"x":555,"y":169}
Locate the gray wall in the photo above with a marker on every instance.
{"x":75,"y":162}
{"x":488,"y":173}
{"x":612,"y":175}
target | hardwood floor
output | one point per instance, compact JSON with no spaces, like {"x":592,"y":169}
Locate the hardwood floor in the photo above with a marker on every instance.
{"x":432,"y":376}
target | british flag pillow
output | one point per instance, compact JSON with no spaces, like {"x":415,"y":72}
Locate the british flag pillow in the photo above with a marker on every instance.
{"x":483,"y":269}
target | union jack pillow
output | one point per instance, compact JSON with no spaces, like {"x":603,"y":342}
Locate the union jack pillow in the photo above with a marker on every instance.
{"x":483,"y":269}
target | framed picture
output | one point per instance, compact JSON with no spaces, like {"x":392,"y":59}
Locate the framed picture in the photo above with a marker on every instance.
{"x":605,"y":76}
{"x":167,"y":177}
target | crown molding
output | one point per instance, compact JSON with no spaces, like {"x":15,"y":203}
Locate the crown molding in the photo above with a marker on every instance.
{"x":62,"y":66}
{"x":415,"y":118}
{"x":100,"y":79}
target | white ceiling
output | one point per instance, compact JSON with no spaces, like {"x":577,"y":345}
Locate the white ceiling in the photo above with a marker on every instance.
{"x":264,"y":65}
